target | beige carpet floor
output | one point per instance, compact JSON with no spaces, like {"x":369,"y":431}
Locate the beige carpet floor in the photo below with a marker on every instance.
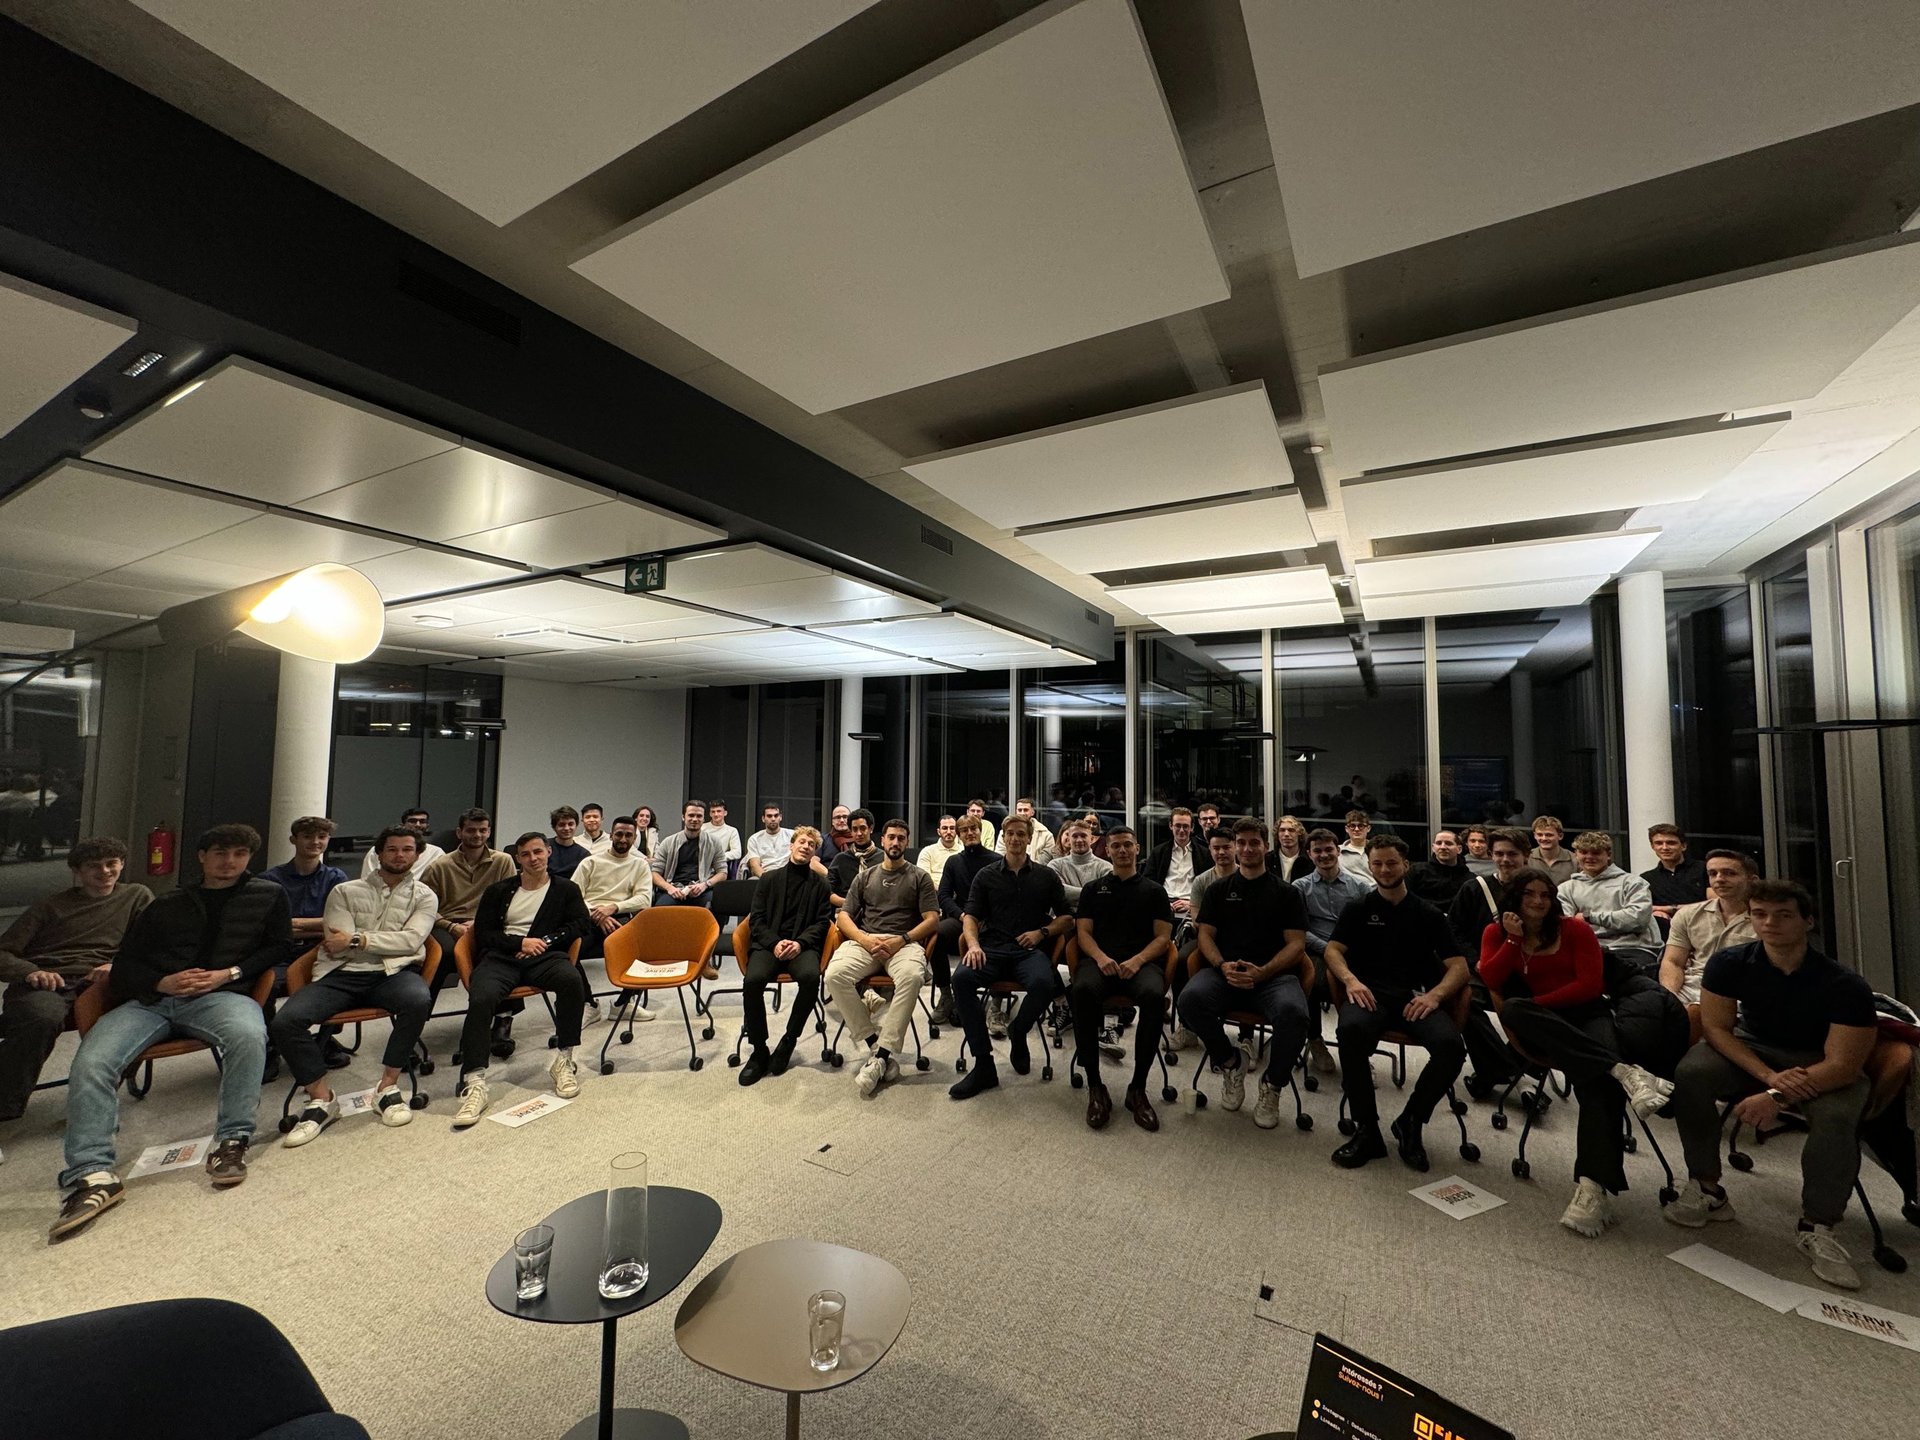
{"x":1065,"y":1283}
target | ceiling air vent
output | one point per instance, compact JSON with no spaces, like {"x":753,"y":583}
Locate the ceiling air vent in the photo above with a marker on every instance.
{"x":930,"y":536}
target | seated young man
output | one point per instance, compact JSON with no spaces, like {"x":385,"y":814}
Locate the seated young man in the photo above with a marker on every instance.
{"x":184,"y":970}
{"x":1783,"y":1027}
{"x":520,"y":937}
{"x":1253,"y":938}
{"x":53,"y":952}
{"x":956,"y":883}
{"x":1079,"y":867}
{"x":565,"y":853}
{"x":787,"y":926}
{"x":1618,"y":906}
{"x":371,"y":950}
{"x":690,"y":862}
{"x":1125,"y":924}
{"x":1326,"y":890}
{"x":616,"y":885}
{"x":1015,"y":909}
{"x":308,"y":880}
{"x":890,"y":912}
{"x":1703,"y":929}
{"x":1401,"y":966}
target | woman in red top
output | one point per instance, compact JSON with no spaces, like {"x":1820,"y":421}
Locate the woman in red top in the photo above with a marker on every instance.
{"x":1552,"y":972}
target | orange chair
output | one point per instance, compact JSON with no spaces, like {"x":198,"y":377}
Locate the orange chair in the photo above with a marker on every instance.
{"x":300,"y":975}
{"x":1457,"y":1008}
{"x":463,"y":960}
{"x":742,"y":948}
{"x":1119,"y":1004}
{"x":1251,"y":1020}
{"x":674,"y":940}
{"x":91,"y":1003}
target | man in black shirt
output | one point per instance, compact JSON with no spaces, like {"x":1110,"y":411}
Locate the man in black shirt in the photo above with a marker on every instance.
{"x":956,"y":883}
{"x":1400,"y":966}
{"x":1676,"y":880}
{"x":1476,"y":906}
{"x":1782,"y":1026}
{"x":564,"y":850}
{"x":1438,"y":878}
{"x":860,"y":853}
{"x":1253,"y":938}
{"x":1014,"y":908}
{"x":786,"y":928}
{"x":1125,"y":924}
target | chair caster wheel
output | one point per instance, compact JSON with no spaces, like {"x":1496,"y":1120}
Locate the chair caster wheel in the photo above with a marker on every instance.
{"x":553,"y":1042}
{"x":922,"y":1064}
{"x":1303,"y":1123}
{"x":1469,"y":1151}
{"x":287,"y":1123}
{"x":1459,"y":1107}
{"x":505,"y":1049}
{"x":733,"y":1062}
{"x":695,"y":1063}
{"x":1046,"y":1072}
{"x":627,"y":1039}
{"x":606,"y":1067}
{"x":1499,"y":1119}
{"x":1668,"y":1195}
{"x":1890,"y":1260}
{"x":1740,"y":1160}
{"x":1168,"y":1094}
{"x":1347,"y":1127}
{"x":1076,"y":1079}
{"x":1521,"y":1169}
{"x":425,"y":1067}
{"x":960,"y":1066}
{"x":1312,"y":1084}
{"x":836,"y":1059}
{"x":707,"y":1033}
{"x":1200,"y":1100}
{"x":1631,"y":1144}
{"x":418,"y":1102}
{"x":933,"y":1032}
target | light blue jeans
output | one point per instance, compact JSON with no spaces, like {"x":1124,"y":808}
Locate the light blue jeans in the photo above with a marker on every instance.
{"x":233,"y":1024}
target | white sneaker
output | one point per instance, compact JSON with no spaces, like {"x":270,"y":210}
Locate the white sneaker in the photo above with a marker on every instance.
{"x":1696,"y":1207}
{"x":392,"y":1108}
{"x":1590,"y":1211}
{"x":875,"y":1072}
{"x":1183,"y":1038}
{"x":1828,"y":1257}
{"x":566,"y":1076}
{"x":640,"y":1014}
{"x":1266,"y":1109}
{"x":316,"y":1117}
{"x":1646,"y":1091}
{"x":876,"y":1004}
{"x":591,"y":1015}
{"x":1233,"y":1087}
{"x":1322,"y":1058}
{"x":473,"y":1104}
{"x":997,"y":1017}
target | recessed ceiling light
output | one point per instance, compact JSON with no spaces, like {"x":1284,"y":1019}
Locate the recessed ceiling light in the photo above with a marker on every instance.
{"x":142,"y":363}
{"x":1316,"y":449}
{"x":425,"y":622}
{"x":181,"y":393}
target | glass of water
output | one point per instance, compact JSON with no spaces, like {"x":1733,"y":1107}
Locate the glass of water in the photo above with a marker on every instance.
{"x":532,"y":1254}
{"x":826,"y":1311}
{"x":624,"y":1272}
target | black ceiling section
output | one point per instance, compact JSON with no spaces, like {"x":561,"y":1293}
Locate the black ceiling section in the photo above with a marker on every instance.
{"x":114,"y":197}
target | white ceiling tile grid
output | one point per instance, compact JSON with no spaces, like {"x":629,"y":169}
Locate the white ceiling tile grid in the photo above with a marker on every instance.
{"x":1483,"y":599}
{"x":1258,"y":617}
{"x":1458,"y":114}
{"x":1023,"y":193}
{"x":460,"y":491}
{"x":1764,"y":338}
{"x":51,"y":341}
{"x":1227,"y":592}
{"x":1219,"y":442}
{"x":498,"y":103}
{"x":1490,"y":566}
{"x":781,"y":589}
{"x":1213,"y":530}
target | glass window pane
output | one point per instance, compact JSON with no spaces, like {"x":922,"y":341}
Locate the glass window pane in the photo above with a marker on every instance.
{"x":44,"y":729}
{"x":1716,"y":770}
{"x":409,"y":735}
{"x":793,"y":721}
{"x":1200,"y":704}
{"x":716,"y":751}
{"x":1575,"y":688}
{"x":1893,"y":560}
{"x":1075,"y":741}
{"x":963,"y":747}
{"x":1799,"y":759}
{"x":883,"y":712}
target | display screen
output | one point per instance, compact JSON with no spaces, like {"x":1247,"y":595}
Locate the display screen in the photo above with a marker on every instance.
{"x":1348,"y":1395}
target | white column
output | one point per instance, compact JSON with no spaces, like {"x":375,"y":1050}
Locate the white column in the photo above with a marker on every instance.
{"x":853,"y":704}
{"x":1050,"y":742}
{"x":1525,"y":785}
{"x":302,"y":745}
{"x":1647,"y":718}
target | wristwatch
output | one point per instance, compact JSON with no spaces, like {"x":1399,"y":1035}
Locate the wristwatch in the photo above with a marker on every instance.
{"x":233,"y":972}
{"x":357,"y":942}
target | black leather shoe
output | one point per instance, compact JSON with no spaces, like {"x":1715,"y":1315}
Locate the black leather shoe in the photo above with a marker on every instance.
{"x":781,"y":1058}
{"x":1412,"y":1151}
{"x":337,"y":1056}
{"x":1099,"y":1106}
{"x":1017,"y":1052}
{"x":270,"y":1072}
{"x":1364,"y":1146}
{"x":502,"y":1042}
{"x":982,"y":1077}
{"x":755,"y":1068}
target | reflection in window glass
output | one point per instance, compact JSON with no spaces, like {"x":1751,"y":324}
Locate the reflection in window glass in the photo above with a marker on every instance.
{"x":409,"y":735}
{"x":44,"y":729}
{"x":1074,"y":755}
{"x":1893,"y":559}
{"x":793,"y":720}
{"x":716,"y":751}
{"x":1574,"y":680}
{"x":883,"y":712}
{"x":1716,"y":769}
{"x":1200,"y":704}
{"x":963,"y":748}
{"x":1799,"y":757}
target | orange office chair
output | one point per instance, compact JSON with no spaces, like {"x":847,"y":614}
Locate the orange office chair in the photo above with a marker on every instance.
{"x":742,"y":948}
{"x":91,"y":1003}
{"x":1253,"y":1020}
{"x":1457,"y":1008}
{"x":463,"y":959}
{"x":669,"y":946}
{"x":300,"y":975}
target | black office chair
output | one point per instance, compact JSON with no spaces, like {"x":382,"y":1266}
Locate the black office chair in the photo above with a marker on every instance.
{"x":732,"y":903}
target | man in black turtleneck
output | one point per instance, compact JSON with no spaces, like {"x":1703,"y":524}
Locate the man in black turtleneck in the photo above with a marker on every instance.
{"x":956,"y":882}
{"x":787,"y":925}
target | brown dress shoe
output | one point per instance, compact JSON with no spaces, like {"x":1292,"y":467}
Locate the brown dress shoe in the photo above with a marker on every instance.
{"x":1142,"y":1108}
{"x":1099,"y":1106}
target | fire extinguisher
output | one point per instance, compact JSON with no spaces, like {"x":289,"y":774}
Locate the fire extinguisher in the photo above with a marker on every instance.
{"x":160,"y":850}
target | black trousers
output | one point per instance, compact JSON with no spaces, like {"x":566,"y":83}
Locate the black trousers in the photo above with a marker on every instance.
{"x":496,"y":975}
{"x":1585,"y":1043}
{"x":761,"y":968}
{"x":940,"y":956}
{"x":1358,"y":1033}
{"x":30,"y":1024}
{"x":1089,"y":993}
{"x":1494,"y":1062}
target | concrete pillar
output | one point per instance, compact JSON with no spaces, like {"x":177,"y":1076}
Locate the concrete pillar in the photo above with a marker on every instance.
{"x":302,"y":746}
{"x":1049,"y":776}
{"x":1646,"y":710}
{"x":853,"y":703}
{"x":1526,"y":784}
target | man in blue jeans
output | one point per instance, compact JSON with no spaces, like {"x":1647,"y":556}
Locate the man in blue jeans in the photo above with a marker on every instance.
{"x":184,"y":970}
{"x":1253,"y":938}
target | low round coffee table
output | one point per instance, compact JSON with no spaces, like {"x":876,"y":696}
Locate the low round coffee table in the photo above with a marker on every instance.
{"x":681,"y":1226}
{"x":748,"y":1318}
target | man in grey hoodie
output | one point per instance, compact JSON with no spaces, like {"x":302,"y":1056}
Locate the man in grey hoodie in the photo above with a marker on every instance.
{"x":1617,"y":905}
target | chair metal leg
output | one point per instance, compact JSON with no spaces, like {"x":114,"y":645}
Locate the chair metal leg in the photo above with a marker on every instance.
{"x":1668,"y":1194}
{"x":693,"y":1049}
{"x":1884,"y":1255}
{"x":614,"y":1018}
{"x":140,"y":1080}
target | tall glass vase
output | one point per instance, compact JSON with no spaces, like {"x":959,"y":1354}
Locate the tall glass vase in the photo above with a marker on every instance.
{"x":624,"y":1271}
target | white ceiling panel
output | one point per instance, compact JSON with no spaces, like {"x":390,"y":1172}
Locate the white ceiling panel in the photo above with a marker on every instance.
{"x":1765,"y":338}
{"x":1618,"y":473}
{"x":51,"y":341}
{"x":617,"y":528}
{"x":254,"y":432}
{"x":595,"y":609}
{"x":498,"y":103}
{"x":1482,"y":599}
{"x":781,"y":589}
{"x":406,"y":574}
{"x":455,"y":492}
{"x":274,"y":544}
{"x":1216,"y":531}
{"x":1490,"y":566}
{"x":108,"y":598}
{"x":1227,"y":592}
{"x":1218,"y":443}
{"x":1259,"y":617}
{"x":957,"y":640}
{"x":77,"y":521}
{"x":1457,"y":114}
{"x":1025,"y":192}
{"x":18,"y":584}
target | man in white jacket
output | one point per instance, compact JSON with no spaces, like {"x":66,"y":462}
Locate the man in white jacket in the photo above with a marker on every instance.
{"x":371,"y":949}
{"x":616,"y":886}
{"x":1617,"y":905}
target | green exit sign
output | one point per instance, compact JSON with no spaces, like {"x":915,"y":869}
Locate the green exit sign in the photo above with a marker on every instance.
{"x":645,"y":574}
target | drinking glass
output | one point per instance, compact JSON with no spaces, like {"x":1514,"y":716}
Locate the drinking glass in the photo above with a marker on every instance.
{"x":532,"y":1254}
{"x":625,"y":1270}
{"x":826,"y":1310}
